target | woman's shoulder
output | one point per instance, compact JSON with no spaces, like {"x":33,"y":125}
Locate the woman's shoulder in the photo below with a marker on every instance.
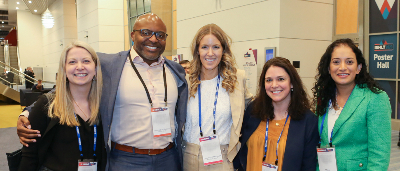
{"x":380,"y":94}
{"x":43,"y":100}
{"x":310,"y":116}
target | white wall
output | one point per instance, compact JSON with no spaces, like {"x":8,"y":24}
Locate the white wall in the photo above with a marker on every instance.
{"x":29,"y":32}
{"x":305,"y":33}
{"x":55,"y":39}
{"x":102,"y":21}
{"x":299,"y":29}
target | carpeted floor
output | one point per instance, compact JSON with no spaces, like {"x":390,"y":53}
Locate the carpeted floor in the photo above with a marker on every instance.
{"x":9,"y":115}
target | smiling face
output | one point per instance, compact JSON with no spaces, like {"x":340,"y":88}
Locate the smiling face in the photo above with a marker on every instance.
{"x":210,"y":52}
{"x":343,"y":66}
{"x":79,"y":67}
{"x":277,"y":85}
{"x":148,"y":48}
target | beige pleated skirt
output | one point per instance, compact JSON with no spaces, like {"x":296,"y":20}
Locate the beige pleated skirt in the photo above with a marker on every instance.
{"x":193,"y":159}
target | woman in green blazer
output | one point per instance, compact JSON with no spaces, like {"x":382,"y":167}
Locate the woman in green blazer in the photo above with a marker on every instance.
{"x":356,"y":110}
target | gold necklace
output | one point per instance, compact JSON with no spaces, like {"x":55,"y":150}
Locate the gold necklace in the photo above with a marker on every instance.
{"x":80,"y":109}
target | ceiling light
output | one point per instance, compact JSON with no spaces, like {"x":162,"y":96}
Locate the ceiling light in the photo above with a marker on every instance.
{"x":2,"y":26}
{"x":17,"y":2}
{"x":16,"y":8}
{"x":30,"y":2}
{"x":47,"y":19}
{"x":35,"y":10}
{"x":2,"y":21}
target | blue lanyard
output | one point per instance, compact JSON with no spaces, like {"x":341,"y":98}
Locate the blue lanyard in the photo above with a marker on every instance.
{"x":215,"y":105}
{"x":80,"y":141}
{"x":322,"y":125}
{"x":277,"y":143}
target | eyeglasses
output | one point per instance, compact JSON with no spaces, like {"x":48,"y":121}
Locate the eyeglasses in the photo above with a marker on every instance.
{"x":146,"y":33}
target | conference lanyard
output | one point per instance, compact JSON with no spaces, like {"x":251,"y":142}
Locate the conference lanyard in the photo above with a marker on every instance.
{"x":144,"y":85}
{"x":215,"y":105}
{"x":277,"y":143}
{"x":80,"y":141}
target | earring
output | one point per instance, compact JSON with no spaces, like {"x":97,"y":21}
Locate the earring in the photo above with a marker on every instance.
{"x":67,"y":79}
{"x":291,"y":89}
{"x":94,"y":78}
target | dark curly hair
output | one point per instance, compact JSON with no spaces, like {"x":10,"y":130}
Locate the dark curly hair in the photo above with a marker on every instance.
{"x":325,"y":88}
{"x":299,"y":103}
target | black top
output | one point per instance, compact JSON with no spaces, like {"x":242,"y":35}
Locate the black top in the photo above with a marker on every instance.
{"x":58,"y":149}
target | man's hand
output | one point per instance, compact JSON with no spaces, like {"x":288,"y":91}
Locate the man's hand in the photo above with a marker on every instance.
{"x":26,"y":135}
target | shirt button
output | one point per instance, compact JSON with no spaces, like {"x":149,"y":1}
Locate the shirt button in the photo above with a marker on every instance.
{"x":361,"y":165}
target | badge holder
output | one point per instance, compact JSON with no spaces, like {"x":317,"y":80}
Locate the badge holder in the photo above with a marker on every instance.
{"x":269,"y":167}
{"x":87,"y":165}
{"x":327,"y":157}
{"x":160,"y":121}
{"x":210,"y":149}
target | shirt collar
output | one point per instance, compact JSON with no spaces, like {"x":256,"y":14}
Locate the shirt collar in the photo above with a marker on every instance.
{"x":139,"y":60}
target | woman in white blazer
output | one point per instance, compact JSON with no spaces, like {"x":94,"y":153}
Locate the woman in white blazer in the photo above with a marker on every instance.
{"x":218,"y":95}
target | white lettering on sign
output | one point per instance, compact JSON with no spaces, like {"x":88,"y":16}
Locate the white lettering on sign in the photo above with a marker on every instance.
{"x":382,"y":57}
{"x":382,"y":64}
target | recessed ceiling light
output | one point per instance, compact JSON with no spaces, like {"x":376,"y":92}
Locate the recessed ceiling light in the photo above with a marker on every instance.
{"x":17,"y":2}
{"x":35,"y":10}
{"x":16,"y":8}
{"x":2,"y":21}
{"x":30,"y":2}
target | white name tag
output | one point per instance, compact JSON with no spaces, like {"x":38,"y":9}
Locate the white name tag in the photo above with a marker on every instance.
{"x":161,"y":121}
{"x":87,"y":166}
{"x":210,"y":149}
{"x":269,"y":167}
{"x":327,"y":159}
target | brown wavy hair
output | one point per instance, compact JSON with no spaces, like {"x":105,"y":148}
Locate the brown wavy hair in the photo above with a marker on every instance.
{"x":226,"y":68}
{"x":299,"y":102}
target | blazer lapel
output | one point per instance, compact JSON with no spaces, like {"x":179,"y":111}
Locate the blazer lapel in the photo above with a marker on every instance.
{"x":116,"y":72}
{"x":351,"y":105}
{"x":235,"y":99}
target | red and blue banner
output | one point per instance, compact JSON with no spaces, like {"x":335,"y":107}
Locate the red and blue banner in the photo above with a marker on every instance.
{"x":382,"y":16}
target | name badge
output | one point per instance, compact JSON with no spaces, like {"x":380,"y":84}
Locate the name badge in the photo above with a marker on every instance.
{"x":269,"y":167}
{"x":161,"y":121}
{"x":210,"y":149}
{"x":87,"y":165}
{"x":327,"y":159}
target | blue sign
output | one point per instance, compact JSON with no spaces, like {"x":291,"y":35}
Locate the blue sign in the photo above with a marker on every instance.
{"x":383,"y":56}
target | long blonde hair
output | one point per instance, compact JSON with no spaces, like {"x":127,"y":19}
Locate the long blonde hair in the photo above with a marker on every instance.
{"x":226,"y":67}
{"x":61,"y":102}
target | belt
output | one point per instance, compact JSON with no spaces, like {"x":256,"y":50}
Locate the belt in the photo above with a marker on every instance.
{"x":140,"y":151}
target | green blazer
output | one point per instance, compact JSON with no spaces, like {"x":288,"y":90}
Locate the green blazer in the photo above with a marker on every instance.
{"x":362,"y":133}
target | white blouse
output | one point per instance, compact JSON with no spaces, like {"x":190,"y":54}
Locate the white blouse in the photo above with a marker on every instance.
{"x":333,"y":115}
{"x":223,"y":115}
